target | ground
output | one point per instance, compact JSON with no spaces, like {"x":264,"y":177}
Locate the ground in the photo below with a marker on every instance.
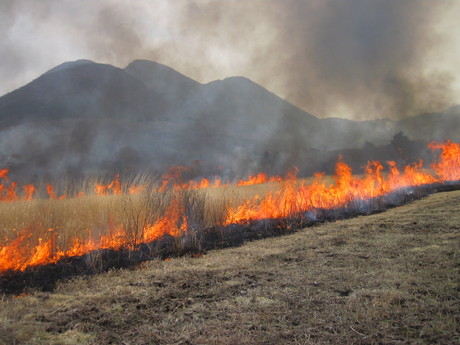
{"x":388,"y":278}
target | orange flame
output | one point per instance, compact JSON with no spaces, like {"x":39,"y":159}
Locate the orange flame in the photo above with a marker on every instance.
{"x":114,"y":187}
{"x":174,"y":222}
{"x":259,"y":179}
{"x":4,"y":174}
{"x":52,"y":194}
{"x":447,"y":166}
{"x":29,"y":191}
{"x":294,"y":197}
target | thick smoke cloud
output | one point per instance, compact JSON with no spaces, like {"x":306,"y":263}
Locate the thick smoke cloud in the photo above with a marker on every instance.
{"x":353,"y":58}
{"x":364,"y":56}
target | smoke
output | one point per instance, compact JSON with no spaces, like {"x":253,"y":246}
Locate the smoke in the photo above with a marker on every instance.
{"x":364,"y":57}
{"x":354,"y":58}
{"x":357,"y":59}
{"x":351,"y":58}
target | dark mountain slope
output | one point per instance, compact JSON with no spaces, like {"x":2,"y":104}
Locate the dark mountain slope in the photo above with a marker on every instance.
{"x":81,"y":89}
{"x":433,"y":126}
{"x":84,"y":118}
{"x":162,"y":80}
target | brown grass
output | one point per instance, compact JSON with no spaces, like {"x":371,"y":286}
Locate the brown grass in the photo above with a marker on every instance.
{"x":389,"y":278}
{"x":77,"y":217}
{"x":91,"y":214}
{"x":90,"y":217}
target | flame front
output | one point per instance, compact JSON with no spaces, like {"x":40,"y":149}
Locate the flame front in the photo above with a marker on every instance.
{"x":292,"y":196}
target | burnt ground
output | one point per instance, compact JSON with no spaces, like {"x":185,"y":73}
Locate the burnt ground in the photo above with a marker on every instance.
{"x":387,"y":278}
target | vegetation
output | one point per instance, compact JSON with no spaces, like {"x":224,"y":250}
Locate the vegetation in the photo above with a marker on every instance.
{"x":42,"y":231}
{"x":116,"y":224}
{"x":387,"y":278}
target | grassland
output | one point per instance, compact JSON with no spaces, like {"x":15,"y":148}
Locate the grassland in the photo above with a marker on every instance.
{"x":92,"y":216}
{"x":77,"y":216}
{"x":388,"y":278}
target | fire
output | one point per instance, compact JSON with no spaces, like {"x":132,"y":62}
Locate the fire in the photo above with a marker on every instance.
{"x":136,"y":189}
{"x":29,"y":191}
{"x":447,"y":166}
{"x":4,"y":174}
{"x":52,"y":194}
{"x":296,"y":197}
{"x":113,"y":187}
{"x":7,"y":193}
{"x":173,"y":178}
{"x":174,"y":222}
{"x":259,"y":179}
{"x":32,"y":246}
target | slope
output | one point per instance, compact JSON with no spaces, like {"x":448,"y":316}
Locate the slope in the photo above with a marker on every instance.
{"x":84,"y":118}
{"x":80,"y":89}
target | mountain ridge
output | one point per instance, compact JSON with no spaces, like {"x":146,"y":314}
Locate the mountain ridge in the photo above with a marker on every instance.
{"x":83,"y":117}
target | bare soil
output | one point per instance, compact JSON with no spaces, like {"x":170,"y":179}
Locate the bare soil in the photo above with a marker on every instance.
{"x":388,"y":278}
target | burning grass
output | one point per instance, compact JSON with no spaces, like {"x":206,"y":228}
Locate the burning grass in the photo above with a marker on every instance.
{"x":387,"y":278}
{"x":141,"y":220}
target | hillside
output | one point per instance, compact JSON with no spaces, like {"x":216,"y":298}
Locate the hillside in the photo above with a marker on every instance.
{"x":84,"y":118}
{"x":82,"y":89}
{"x":387,"y":278}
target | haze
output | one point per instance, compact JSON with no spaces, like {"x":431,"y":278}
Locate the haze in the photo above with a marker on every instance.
{"x":357,"y":59}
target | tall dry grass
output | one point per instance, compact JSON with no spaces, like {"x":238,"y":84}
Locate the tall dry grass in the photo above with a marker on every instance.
{"x":90,"y":216}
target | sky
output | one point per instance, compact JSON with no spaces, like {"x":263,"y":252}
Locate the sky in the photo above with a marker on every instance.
{"x":356,"y":59}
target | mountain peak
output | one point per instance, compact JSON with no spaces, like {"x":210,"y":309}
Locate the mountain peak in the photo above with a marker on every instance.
{"x":70,"y":64}
{"x":151,"y":73}
{"x":162,"y":80}
{"x":147,"y":63}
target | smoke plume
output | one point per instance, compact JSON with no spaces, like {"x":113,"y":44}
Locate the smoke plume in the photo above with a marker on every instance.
{"x":351,"y":58}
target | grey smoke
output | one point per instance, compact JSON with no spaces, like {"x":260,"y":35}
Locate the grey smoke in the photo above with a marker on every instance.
{"x":368,"y":56}
{"x":357,"y":58}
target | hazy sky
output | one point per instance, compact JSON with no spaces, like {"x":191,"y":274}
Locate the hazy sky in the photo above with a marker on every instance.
{"x":349,"y":58}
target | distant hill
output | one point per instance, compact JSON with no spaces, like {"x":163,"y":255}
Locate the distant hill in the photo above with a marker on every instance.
{"x":433,"y":126}
{"x":82,"y":118}
{"x":163,"y":81}
{"x":80,"y":89}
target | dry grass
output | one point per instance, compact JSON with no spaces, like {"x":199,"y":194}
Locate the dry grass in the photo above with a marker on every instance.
{"x":113,"y":219}
{"x":95,"y":215}
{"x":389,"y":278}
{"x":76,"y":217}
{"x":92,"y":215}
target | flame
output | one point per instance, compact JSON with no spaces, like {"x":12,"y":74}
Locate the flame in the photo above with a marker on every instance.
{"x":136,"y":189}
{"x":113,"y":187}
{"x":173,"y":179}
{"x":29,"y":191}
{"x":297,"y":197}
{"x":258,"y":179}
{"x":4,"y":174}
{"x":32,"y":246}
{"x":447,"y":166}
{"x":173,"y":223}
{"x":50,"y":191}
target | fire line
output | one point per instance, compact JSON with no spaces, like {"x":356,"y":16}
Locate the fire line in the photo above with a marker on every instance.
{"x":292,"y":197}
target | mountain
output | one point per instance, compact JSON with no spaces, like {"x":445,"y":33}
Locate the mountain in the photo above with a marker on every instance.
{"x":172,"y":86}
{"x":435,"y":126}
{"x":77,"y":90}
{"x":82,"y":118}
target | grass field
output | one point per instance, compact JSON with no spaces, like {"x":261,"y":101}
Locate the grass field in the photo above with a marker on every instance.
{"x":77,"y":220}
{"x":388,"y":278}
{"x":44,"y":230}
